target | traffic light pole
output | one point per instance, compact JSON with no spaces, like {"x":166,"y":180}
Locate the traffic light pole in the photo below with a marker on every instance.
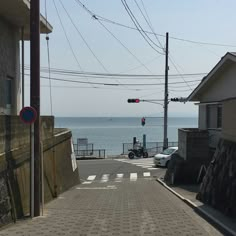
{"x":35,"y":94}
{"x":165,"y":140}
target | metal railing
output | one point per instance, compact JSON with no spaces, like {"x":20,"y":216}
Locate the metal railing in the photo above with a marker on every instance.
{"x":152,"y":147}
{"x":86,"y":150}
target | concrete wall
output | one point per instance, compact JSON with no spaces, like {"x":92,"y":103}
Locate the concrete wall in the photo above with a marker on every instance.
{"x":9,"y":66}
{"x":193,"y":144}
{"x":229,"y":120}
{"x":223,"y":86}
{"x":59,"y":175}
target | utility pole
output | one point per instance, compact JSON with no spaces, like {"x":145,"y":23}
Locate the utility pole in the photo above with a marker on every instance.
{"x":22,"y":66}
{"x":165,"y":140}
{"x":35,"y":94}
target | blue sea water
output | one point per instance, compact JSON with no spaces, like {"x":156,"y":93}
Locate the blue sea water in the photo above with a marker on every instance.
{"x":110,"y":133}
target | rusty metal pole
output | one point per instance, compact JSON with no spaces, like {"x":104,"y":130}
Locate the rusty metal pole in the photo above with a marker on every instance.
{"x":35,"y":94}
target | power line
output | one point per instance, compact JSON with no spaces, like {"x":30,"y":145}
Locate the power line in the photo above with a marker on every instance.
{"x":139,"y":27}
{"x":68,"y":41}
{"x":49,"y":63}
{"x":179,"y":73}
{"x":99,"y":61}
{"x":111,"y":75}
{"x":94,"y":17}
{"x":113,"y":84}
{"x":149,"y":23}
{"x":162,"y":35}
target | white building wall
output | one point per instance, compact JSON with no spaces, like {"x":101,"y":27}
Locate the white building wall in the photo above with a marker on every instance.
{"x":222,"y":87}
{"x":9,"y":67}
{"x":229,"y":120}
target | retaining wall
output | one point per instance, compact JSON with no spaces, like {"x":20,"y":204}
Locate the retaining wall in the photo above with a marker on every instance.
{"x":59,"y":174}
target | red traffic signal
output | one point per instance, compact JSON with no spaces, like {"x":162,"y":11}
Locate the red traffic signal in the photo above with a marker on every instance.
{"x":133,"y":100}
{"x":143,"y":120}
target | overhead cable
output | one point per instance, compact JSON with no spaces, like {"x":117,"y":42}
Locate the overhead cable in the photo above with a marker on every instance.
{"x":68,"y":41}
{"x":139,"y":27}
{"x":118,"y":40}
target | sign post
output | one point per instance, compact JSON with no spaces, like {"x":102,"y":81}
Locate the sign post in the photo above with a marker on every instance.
{"x":28,"y":115}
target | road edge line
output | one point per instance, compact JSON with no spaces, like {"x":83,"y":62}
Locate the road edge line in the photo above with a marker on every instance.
{"x":201,"y":212}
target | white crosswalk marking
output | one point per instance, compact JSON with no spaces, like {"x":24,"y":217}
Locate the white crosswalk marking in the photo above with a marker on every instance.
{"x":105,"y":178}
{"x":119,"y":177}
{"x":144,"y":163}
{"x":146,"y":174}
{"x":87,"y":182}
{"x":91,"y":177}
{"x":133,"y":176}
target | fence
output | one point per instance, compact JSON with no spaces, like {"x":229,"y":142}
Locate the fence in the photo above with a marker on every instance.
{"x":86,"y":150}
{"x":152,"y":147}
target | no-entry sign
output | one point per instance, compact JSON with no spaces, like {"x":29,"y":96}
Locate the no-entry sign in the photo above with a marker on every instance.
{"x":28,"y":115}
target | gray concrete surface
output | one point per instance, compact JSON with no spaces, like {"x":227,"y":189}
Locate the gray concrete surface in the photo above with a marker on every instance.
{"x":131,"y":207}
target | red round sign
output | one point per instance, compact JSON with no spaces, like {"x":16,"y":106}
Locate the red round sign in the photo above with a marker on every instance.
{"x":28,"y":115}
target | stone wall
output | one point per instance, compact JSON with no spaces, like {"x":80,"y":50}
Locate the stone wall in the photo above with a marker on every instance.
{"x":218,"y":188}
{"x":59,"y":175}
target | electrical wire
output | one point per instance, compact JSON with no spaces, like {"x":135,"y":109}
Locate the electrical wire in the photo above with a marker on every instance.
{"x":113,"y":84}
{"x":101,"y":18}
{"x":96,"y":75}
{"x":118,"y":40}
{"x":68,"y":41}
{"x":139,"y":27}
{"x":80,"y":34}
{"x":149,"y":22}
{"x":48,"y":57}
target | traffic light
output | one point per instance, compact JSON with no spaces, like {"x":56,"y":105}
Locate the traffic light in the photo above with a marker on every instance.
{"x":174,"y":99}
{"x":133,"y":100}
{"x":180,"y":99}
{"x":143,"y":121}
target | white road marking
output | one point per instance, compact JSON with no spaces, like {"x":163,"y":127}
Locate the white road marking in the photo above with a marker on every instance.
{"x":152,"y":168}
{"x":133,"y":176}
{"x":119,"y":177}
{"x":146,"y":174}
{"x":91,"y":177}
{"x":98,"y":188}
{"x":87,"y":182}
{"x":105,"y":178}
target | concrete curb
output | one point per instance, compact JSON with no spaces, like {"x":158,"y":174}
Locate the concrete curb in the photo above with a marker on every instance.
{"x":219,"y":225}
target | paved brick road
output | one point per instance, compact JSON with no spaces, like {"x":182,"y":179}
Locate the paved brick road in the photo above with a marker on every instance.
{"x":142,"y":207}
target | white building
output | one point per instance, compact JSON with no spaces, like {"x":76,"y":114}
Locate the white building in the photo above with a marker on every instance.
{"x":14,"y":16}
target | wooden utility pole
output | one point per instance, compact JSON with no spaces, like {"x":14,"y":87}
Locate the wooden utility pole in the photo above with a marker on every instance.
{"x":35,"y":94}
{"x":165,"y":140}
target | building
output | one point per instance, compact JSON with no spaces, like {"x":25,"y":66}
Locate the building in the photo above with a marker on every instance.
{"x":14,"y":27}
{"x":216,"y":97}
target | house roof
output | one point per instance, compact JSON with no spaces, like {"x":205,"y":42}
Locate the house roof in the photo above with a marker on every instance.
{"x":226,"y":60}
{"x":17,"y":12}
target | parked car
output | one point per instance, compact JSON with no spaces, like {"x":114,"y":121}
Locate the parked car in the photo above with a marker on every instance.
{"x":163,"y":158}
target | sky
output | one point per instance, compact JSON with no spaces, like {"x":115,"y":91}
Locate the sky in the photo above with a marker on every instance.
{"x":84,"y":44}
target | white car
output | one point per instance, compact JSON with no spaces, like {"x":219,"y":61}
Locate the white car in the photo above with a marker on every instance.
{"x":163,"y":158}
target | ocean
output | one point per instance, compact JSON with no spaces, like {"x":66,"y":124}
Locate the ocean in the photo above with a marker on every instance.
{"x":110,"y":133}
